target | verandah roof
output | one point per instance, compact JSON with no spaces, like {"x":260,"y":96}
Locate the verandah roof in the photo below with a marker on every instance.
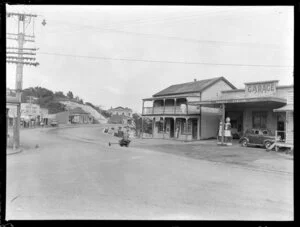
{"x":272,"y":102}
{"x":285,"y":108}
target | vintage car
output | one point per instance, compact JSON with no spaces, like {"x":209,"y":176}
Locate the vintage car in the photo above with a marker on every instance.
{"x":257,"y":137}
{"x":54,"y":123}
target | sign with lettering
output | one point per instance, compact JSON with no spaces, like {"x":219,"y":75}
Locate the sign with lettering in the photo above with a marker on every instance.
{"x":267,"y":88}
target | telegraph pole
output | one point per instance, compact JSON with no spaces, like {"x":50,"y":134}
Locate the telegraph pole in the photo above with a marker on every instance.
{"x":21,"y":37}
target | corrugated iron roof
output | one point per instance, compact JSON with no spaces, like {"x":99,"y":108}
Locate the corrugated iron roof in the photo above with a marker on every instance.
{"x":195,"y":86}
{"x":285,"y":108}
{"x":77,"y":110}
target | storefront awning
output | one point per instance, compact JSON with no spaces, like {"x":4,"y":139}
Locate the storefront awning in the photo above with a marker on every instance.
{"x":285,"y":108}
{"x":272,"y":102}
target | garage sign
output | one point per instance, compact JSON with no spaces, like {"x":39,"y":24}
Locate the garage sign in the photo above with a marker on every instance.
{"x":259,"y":89}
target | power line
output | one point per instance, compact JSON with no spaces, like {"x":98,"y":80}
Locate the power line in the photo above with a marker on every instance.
{"x":151,"y":35}
{"x":209,"y":42}
{"x":168,"y":62}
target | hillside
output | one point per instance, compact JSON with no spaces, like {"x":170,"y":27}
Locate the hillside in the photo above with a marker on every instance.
{"x":57,"y":102}
{"x":72,"y":105}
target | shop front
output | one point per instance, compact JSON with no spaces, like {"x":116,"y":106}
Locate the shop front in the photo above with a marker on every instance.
{"x":252,"y":107}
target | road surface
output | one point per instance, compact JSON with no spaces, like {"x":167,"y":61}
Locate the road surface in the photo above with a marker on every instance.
{"x":74,"y":174}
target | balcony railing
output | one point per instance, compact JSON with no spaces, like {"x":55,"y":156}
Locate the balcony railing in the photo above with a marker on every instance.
{"x":171,"y":110}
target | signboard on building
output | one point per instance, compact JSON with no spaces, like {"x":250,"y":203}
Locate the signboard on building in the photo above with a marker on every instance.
{"x":30,"y":109}
{"x":259,"y":89}
{"x":290,"y":97}
{"x":12,"y":112}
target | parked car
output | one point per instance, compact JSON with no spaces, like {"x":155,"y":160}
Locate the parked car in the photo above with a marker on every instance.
{"x":54,"y":123}
{"x":257,"y":137}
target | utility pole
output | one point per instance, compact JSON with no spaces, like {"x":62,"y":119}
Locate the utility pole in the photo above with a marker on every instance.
{"x":22,"y":20}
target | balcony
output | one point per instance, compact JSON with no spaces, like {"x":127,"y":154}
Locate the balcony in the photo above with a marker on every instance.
{"x":170,"y":110}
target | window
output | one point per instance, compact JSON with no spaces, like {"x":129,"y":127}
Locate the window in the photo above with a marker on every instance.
{"x":159,"y":125}
{"x":265,"y":132}
{"x":186,"y":128}
{"x":259,"y":119}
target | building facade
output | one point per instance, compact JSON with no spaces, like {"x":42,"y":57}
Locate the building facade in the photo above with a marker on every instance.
{"x":174,"y":118}
{"x":253,"y":106}
{"x":30,"y":112}
{"x":121,"y":111}
{"x":79,"y":116}
{"x":287,"y":111}
{"x":193,"y":111}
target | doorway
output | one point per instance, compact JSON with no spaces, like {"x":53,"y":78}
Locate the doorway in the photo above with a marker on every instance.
{"x":172,"y":128}
{"x":194,"y":129}
{"x":281,"y":126}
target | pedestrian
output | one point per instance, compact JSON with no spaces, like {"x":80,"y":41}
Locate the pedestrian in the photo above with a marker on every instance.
{"x":177,"y":132}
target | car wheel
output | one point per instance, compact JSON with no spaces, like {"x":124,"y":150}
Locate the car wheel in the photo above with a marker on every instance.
{"x":244,"y":143}
{"x":267,"y":144}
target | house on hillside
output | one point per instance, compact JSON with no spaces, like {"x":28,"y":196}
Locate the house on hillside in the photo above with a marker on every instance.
{"x":193,"y":111}
{"x":121,"y":111}
{"x":79,"y":116}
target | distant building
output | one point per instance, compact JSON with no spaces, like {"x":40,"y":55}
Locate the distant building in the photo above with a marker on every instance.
{"x":30,"y":112}
{"x":79,"y":116}
{"x":121,"y":111}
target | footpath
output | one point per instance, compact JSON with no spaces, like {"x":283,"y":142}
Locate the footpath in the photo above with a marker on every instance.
{"x":26,"y":142}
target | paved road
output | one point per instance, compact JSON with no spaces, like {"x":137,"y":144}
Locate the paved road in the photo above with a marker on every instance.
{"x":74,"y":174}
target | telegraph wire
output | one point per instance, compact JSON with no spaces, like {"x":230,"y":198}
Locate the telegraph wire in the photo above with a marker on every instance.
{"x":210,"y":42}
{"x":168,"y":62}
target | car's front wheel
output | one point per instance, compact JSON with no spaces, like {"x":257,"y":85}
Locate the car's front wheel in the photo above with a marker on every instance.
{"x":244,"y":143}
{"x":267,"y":144}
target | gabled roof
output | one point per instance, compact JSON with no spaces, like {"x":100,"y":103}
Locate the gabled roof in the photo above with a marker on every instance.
{"x":77,"y":110}
{"x":195,"y":86}
{"x":120,"y":108}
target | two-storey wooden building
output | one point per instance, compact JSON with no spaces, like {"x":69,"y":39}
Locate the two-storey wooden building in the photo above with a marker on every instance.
{"x":174,"y":118}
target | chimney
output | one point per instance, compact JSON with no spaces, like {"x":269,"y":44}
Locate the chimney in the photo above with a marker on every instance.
{"x":195,"y":80}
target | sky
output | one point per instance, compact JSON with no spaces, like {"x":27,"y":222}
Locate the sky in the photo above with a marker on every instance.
{"x":117,"y":55}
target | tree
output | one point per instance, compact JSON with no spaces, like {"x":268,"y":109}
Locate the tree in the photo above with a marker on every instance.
{"x":147,"y":124}
{"x":105,"y":113}
{"x":59,"y":94}
{"x":70,"y":95}
{"x":55,"y":107}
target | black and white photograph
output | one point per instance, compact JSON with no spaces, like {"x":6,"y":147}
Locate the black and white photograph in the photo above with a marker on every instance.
{"x":149,"y":112}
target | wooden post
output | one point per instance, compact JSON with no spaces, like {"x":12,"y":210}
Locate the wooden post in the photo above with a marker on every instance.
{"x":143,"y":107}
{"x":198,"y":128}
{"x":153,"y":127}
{"x":186,"y":127}
{"x":164,"y":106}
{"x":142,"y":127}
{"x":153,"y":106}
{"x":175,"y":135}
{"x":163,"y":127}
{"x":175,"y":105}
{"x":223,"y":122}
{"x":187,"y":109}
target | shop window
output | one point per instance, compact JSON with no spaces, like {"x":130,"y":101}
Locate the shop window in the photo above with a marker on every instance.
{"x":159,"y":126}
{"x":259,"y":119}
{"x":186,"y":128}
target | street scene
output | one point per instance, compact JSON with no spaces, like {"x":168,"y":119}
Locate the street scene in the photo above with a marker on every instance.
{"x":148,"y":113}
{"x":75,"y":174}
